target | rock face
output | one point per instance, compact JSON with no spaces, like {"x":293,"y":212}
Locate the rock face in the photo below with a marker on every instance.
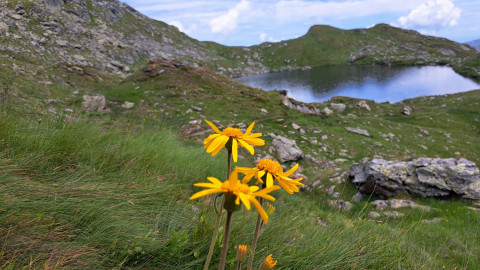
{"x":424,"y":177}
{"x":287,"y":149}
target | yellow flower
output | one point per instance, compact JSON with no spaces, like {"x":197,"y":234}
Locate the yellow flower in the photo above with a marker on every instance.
{"x":241,"y":253}
{"x":268,"y":263}
{"x":269,"y":169}
{"x":215,"y":142}
{"x":233,"y":188}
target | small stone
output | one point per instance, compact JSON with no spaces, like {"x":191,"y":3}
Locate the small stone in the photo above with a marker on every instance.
{"x":373,"y":214}
{"x":340,"y":204}
{"x":128,"y":105}
{"x":358,"y":131}
{"x":264,"y":111}
{"x":407,"y":110}
{"x":363,"y":105}
{"x":423,"y":131}
{"x":196,"y":108}
{"x":295,"y":126}
{"x":327,"y":111}
{"x":378,"y":144}
{"x":324,"y":137}
{"x":68,"y":110}
{"x":338,"y":107}
{"x":380,"y":204}
{"x":357,"y":197}
{"x":393,"y":214}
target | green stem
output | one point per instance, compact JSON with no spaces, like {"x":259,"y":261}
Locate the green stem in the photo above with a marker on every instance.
{"x":229,"y":162}
{"x":239,"y":266}
{"x":214,"y":236}
{"x":258,"y":228}
{"x":219,"y":216}
{"x":226,"y":237}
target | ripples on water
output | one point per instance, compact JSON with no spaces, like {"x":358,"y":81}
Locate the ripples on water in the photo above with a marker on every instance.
{"x":378,"y":83}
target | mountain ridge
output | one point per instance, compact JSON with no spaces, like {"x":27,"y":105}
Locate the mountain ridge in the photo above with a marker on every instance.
{"x":108,"y":35}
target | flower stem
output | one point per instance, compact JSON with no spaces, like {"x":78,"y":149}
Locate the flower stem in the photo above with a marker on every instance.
{"x":239,"y":266}
{"x":226,"y":237}
{"x":229,"y":162}
{"x":214,"y":236}
{"x":258,"y":228}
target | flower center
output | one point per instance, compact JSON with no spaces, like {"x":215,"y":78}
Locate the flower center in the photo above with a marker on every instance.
{"x":232,"y":132}
{"x":270,"y":166}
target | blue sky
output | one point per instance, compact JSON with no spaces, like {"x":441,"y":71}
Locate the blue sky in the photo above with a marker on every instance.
{"x":250,"y":22}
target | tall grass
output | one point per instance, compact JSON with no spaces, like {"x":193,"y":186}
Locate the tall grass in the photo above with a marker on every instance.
{"x":76,"y":196}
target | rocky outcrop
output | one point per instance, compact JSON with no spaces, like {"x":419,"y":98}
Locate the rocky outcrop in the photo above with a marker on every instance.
{"x":424,"y":177}
{"x":299,"y":106}
{"x":287,"y":149}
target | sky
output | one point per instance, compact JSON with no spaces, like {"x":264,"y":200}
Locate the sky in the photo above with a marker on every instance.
{"x":251,"y":22}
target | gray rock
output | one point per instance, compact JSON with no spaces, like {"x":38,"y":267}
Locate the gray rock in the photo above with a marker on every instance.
{"x":95,"y":103}
{"x":287,"y":149}
{"x":295,"y":126}
{"x":338,"y":107}
{"x":380,"y":204}
{"x":406,"y":110}
{"x":128,"y":105}
{"x":3,"y":27}
{"x":340,"y":205}
{"x":358,"y":131}
{"x":424,"y":177}
{"x":373,"y":214}
{"x":362,"y":104}
{"x":393,"y":214}
{"x":327,"y":111}
{"x":357,"y":197}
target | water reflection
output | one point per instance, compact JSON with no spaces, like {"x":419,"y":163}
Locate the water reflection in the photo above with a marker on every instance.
{"x":377,"y":83}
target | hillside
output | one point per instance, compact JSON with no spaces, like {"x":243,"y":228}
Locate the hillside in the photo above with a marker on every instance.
{"x":100,"y":146}
{"x":110,"y":189}
{"x":110,"y":36}
{"x":475,"y":44}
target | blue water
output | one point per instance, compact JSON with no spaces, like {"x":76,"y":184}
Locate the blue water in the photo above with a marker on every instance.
{"x":378,"y":83}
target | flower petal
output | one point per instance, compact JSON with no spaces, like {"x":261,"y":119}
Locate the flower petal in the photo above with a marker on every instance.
{"x":205,"y":193}
{"x":214,"y":180}
{"x":269,"y":180}
{"x":292,"y":170}
{"x":254,"y":141}
{"x":245,"y":199}
{"x":234,"y":149}
{"x":249,"y":129}
{"x":213,"y":127}
{"x":218,"y":142}
{"x":246,"y":146}
{"x":260,"y":210}
{"x":209,"y":140}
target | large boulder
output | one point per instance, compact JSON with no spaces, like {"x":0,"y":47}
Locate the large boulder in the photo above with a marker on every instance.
{"x":425,"y":177}
{"x":287,"y":149}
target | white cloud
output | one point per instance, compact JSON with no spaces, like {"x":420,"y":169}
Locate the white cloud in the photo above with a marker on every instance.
{"x":227,"y":23}
{"x":178,"y":24}
{"x":263,"y":36}
{"x":433,"y":14}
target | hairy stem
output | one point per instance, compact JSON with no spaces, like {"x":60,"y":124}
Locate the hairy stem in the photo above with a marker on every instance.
{"x":226,"y":237}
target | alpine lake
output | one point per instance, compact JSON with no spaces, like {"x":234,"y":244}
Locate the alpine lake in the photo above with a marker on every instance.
{"x":378,"y":83}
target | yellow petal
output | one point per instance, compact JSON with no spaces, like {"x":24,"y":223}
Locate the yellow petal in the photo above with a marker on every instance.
{"x":254,"y":141}
{"x":205,"y":193}
{"x":218,"y":142}
{"x":214,"y":180}
{"x":245,"y":200}
{"x":260,"y":175}
{"x":213,"y":127}
{"x":292,"y":170}
{"x":206,"y":185}
{"x":234,"y":150}
{"x":249,"y":129}
{"x":260,"y":210}
{"x":246,"y":146}
{"x":269,"y":180}
{"x":209,"y":140}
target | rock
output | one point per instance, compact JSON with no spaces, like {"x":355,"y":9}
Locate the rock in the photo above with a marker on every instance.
{"x":380,"y":204}
{"x":300,"y":106}
{"x":264,"y":111}
{"x":407,"y":110}
{"x":340,"y":205}
{"x":358,"y":131}
{"x":324,"y":137}
{"x":393,"y":214}
{"x":423,"y":131}
{"x":3,"y":27}
{"x":128,"y":105}
{"x":434,"y":220}
{"x":330,"y":190}
{"x":327,"y":111}
{"x":198,"y":109}
{"x":373,"y":214}
{"x":68,"y":110}
{"x":424,"y":177}
{"x":321,"y":222}
{"x":338,"y":107}
{"x":287,"y":149}
{"x":295,"y":126}
{"x":95,"y":103}
{"x":362,"y":104}
{"x":357,"y":197}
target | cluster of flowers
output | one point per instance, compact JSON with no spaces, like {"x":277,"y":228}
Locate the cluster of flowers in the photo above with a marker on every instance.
{"x":237,"y":192}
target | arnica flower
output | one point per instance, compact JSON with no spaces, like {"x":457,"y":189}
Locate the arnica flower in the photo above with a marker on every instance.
{"x":268,"y":263}
{"x":269,"y":169}
{"x":232,"y":137}
{"x":241,"y":253}
{"x":235,"y":191}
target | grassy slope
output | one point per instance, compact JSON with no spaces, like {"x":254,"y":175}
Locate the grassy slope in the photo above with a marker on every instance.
{"x":111,"y":190}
